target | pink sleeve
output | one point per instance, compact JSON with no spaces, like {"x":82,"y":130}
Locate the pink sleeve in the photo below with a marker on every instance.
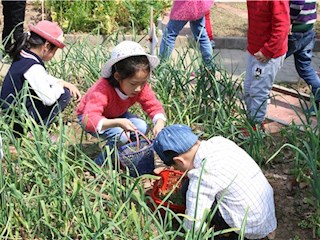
{"x":149,"y":103}
{"x":94,"y":108}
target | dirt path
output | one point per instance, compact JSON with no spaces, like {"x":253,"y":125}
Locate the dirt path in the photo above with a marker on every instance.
{"x":236,"y":11}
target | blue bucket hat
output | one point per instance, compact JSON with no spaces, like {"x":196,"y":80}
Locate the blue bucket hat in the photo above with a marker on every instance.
{"x":178,"y":138}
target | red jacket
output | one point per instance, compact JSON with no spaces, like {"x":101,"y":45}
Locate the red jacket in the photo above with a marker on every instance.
{"x":269,"y":26}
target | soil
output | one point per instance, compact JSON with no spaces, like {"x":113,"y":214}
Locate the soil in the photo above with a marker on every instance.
{"x":230,"y":19}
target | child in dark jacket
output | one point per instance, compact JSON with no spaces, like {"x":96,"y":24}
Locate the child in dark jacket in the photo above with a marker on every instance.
{"x":47,"y":96}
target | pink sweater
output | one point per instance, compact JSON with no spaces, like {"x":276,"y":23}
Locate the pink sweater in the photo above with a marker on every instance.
{"x":102,"y":101}
{"x":189,"y":10}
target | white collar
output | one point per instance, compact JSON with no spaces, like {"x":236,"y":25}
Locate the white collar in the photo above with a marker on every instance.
{"x":28,"y":55}
{"x":121,"y":94}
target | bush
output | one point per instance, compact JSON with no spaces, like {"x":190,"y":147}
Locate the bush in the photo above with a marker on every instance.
{"x":105,"y":17}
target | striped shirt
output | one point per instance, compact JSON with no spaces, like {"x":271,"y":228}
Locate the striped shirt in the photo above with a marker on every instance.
{"x":232,"y":176}
{"x":303,"y":14}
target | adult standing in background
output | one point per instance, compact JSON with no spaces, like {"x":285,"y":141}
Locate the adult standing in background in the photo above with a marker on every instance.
{"x":303,"y":15}
{"x":13,"y":18}
{"x":181,"y":13}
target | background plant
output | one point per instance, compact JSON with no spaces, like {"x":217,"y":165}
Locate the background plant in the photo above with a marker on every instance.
{"x":54,"y":190}
{"x":105,"y":17}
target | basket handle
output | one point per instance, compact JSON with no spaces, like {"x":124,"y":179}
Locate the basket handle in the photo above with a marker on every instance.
{"x":136,"y":132}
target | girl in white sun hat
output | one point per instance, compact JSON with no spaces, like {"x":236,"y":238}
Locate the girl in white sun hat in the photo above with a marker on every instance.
{"x":47,"y":95}
{"x":103,"y":111}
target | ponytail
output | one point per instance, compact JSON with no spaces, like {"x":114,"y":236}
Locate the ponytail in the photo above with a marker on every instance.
{"x":15,"y":48}
{"x":26,"y":41}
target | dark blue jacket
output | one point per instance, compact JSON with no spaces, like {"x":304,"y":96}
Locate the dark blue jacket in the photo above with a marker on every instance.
{"x":14,"y":82}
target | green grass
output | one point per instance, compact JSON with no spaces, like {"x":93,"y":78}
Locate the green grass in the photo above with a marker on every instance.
{"x":55,"y":191}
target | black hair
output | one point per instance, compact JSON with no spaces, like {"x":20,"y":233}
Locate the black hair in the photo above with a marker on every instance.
{"x":170,"y":155}
{"x":27,"y":41}
{"x":127,"y":68}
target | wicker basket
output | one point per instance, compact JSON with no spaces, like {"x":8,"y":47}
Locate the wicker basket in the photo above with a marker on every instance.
{"x":137,"y":156}
{"x":163,"y":186}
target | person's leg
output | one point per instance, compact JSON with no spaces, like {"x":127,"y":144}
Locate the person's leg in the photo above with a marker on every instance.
{"x":302,"y":60}
{"x":62,"y":103}
{"x":14,"y":14}
{"x":209,"y":29}
{"x":46,"y":114}
{"x":140,"y":124}
{"x":247,"y":81}
{"x":293,"y":44}
{"x":18,"y":15}
{"x":169,"y":37}
{"x":199,"y":31}
{"x":115,"y":137}
{"x":7,"y":23}
{"x":263,"y":76}
{"x":111,"y":137}
{"x":208,"y":25}
{"x":220,"y":224}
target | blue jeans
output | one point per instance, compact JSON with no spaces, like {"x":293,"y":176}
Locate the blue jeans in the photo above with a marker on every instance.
{"x":199,"y":32}
{"x":111,"y":135}
{"x":257,"y":85}
{"x":301,"y":45}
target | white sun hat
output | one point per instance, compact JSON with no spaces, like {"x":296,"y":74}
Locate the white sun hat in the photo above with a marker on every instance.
{"x":124,"y":50}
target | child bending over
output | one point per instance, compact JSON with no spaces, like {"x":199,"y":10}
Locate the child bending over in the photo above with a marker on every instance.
{"x":103,"y":111}
{"x":220,"y":173}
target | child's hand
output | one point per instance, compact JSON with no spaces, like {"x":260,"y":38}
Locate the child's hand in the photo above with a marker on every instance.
{"x":260,"y":57}
{"x":290,"y":32}
{"x":127,"y":125}
{"x":158,"y":126}
{"x":74,"y":91}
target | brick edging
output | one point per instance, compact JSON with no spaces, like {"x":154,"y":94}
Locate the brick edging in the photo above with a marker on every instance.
{"x":241,"y":43}
{"x":221,"y":42}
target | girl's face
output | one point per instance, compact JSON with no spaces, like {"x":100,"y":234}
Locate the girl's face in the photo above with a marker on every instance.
{"x":133,"y":85}
{"x":48,"y":52}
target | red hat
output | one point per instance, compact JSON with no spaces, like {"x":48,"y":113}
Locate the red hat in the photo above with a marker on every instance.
{"x":49,"y":31}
